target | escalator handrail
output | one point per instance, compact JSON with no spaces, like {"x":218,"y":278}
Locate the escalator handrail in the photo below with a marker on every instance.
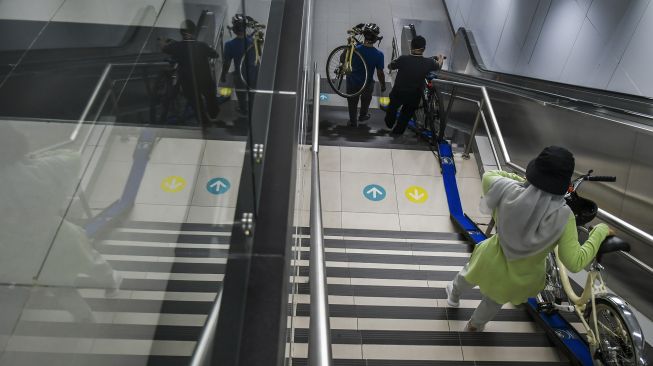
{"x":575,"y":89}
{"x":606,"y":216}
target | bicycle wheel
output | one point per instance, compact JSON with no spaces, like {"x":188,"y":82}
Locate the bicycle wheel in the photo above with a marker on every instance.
{"x":337,"y":72}
{"x":616,"y":347}
{"x":431,"y":117}
{"x":248,"y":72}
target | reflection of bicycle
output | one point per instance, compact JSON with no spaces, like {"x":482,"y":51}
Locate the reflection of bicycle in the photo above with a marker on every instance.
{"x":255,"y":49}
{"x":613,"y":333}
{"x":426,"y":119}
{"x":166,"y":106}
{"x":341,"y":62}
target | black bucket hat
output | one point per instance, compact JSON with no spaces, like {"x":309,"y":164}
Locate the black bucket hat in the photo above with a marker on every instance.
{"x":551,"y":171}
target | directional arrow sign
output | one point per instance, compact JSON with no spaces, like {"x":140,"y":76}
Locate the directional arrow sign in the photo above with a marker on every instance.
{"x":374,"y":192}
{"x":324,"y":97}
{"x":173,"y":184}
{"x":218,"y":186}
{"x":416,"y":194}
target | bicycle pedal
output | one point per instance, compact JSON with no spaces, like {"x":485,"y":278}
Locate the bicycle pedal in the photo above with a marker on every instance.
{"x":545,"y":307}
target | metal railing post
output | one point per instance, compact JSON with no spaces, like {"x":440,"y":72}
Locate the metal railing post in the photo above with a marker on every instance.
{"x":319,"y":341}
{"x":477,"y":121}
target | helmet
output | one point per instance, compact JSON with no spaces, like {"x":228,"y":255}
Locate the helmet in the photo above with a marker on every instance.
{"x":371,"y":32}
{"x":238,"y":23}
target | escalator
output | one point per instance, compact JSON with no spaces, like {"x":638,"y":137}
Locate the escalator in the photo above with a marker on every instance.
{"x":607,"y":131}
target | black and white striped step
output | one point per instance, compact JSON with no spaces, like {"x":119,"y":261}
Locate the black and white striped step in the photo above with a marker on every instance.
{"x":388,"y":305}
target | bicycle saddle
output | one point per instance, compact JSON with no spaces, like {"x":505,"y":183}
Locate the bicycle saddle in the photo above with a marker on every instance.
{"x":612,"y":244}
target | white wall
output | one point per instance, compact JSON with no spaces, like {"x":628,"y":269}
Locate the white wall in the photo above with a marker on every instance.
{"x":603,"y":44}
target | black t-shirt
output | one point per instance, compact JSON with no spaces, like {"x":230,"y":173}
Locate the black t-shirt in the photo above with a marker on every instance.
{"x":412,"y":70}
{"x":193,"y":58}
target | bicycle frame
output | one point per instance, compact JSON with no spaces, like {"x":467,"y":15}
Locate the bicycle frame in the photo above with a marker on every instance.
{"x":352,"y":42}
{"x":594,"y":287}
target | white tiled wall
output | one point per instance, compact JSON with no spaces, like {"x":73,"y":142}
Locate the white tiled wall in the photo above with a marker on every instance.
{"x":601,"y":43}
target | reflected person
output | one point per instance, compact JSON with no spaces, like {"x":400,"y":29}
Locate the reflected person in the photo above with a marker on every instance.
{"x":195,"y":77}
{"x":38,"y":245}
{"x":234,"y":50}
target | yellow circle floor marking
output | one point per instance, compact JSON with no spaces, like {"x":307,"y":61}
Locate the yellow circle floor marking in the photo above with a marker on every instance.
{"x":173,"y":184}
{"x":417,"y":194}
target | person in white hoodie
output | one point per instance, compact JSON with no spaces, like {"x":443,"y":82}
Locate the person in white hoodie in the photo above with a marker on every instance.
{"x":532,"y":219}
{"x":38,"y":246}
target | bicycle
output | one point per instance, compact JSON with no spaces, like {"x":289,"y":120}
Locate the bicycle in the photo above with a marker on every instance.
{"x":248,"y":70}
{"x":426,"y":115}
{"x":344,"y":60}
{"x":614,"y":336}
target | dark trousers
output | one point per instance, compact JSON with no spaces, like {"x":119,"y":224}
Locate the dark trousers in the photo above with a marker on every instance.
{"x":205,"y":97}
{"x":409,"y":102}
{"x":365,"y":98}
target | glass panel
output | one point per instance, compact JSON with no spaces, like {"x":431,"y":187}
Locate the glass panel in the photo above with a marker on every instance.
{"x":122,"y":170}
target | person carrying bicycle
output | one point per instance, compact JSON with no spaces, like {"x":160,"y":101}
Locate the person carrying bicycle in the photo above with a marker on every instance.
{"x":373,"y":57}
{"x":194,"y":70}
{"x":234,"y":50}
{"x":407,"y":89}
{"x":532,"y":219}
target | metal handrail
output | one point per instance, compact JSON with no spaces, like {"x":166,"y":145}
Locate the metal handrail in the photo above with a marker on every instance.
{"x":606,"y":216}
{"x":319,"y":341}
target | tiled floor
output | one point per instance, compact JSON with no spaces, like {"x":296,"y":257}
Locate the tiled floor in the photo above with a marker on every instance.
{"x":168,"y":257}
{"x":346,"y":172}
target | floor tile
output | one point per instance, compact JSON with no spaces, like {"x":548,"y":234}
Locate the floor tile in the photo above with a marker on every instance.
{"x":470,"y":195}
{"x":339,"y":351}
{"x":224,"y":153}
{"x":354,"y":186}
{"x":415,"y":162}
{"x":424,"y":223}
{"x":395,"y":301}
{"x":466,"y":168}
{"x":370,"y":221}
{"x":122,"y":148}
{"x":405,"y":352}
{"x":403,"y":324}
{"x":151,"y":190}
{"x":497,"y":326}
{"x":110,"y":182}
{"x":203,"y":197}
{"x":436,"y":202}
{"x":523,"y":354}
{"x":329,"y":158}
{"x":365,"y":160}
{"x":330,"y":185}
{"x":177,"y":151}
{"x":212,"y":215}
{"x":330,"y":219}
{"x":161,"y":213}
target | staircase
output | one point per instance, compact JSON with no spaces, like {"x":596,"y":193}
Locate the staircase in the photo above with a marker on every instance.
{"x":171,"y":274}
{"x":388,"y":306}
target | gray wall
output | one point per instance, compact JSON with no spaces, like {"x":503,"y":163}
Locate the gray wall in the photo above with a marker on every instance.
{"x":604,"y":44}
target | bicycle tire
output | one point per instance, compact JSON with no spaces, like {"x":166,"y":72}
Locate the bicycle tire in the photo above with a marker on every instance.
{"x":609,"y":317}
{"x":242,"y":69}
{"x":430,"y":117}
{"x":336,"y":78}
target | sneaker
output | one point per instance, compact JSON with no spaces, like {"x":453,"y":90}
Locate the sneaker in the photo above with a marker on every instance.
{"x":450,"y":300}
{"x":352,"y":124}
{"x":471,"y":328}
{"x":364,"y":118}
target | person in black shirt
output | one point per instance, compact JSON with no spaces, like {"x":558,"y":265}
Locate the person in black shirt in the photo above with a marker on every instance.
{"x":197,"y":83}
{"x":407,"y":89}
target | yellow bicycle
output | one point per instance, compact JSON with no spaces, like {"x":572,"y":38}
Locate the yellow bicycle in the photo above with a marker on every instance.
{"x":251,"y":60}
{"x":344,"y":60}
